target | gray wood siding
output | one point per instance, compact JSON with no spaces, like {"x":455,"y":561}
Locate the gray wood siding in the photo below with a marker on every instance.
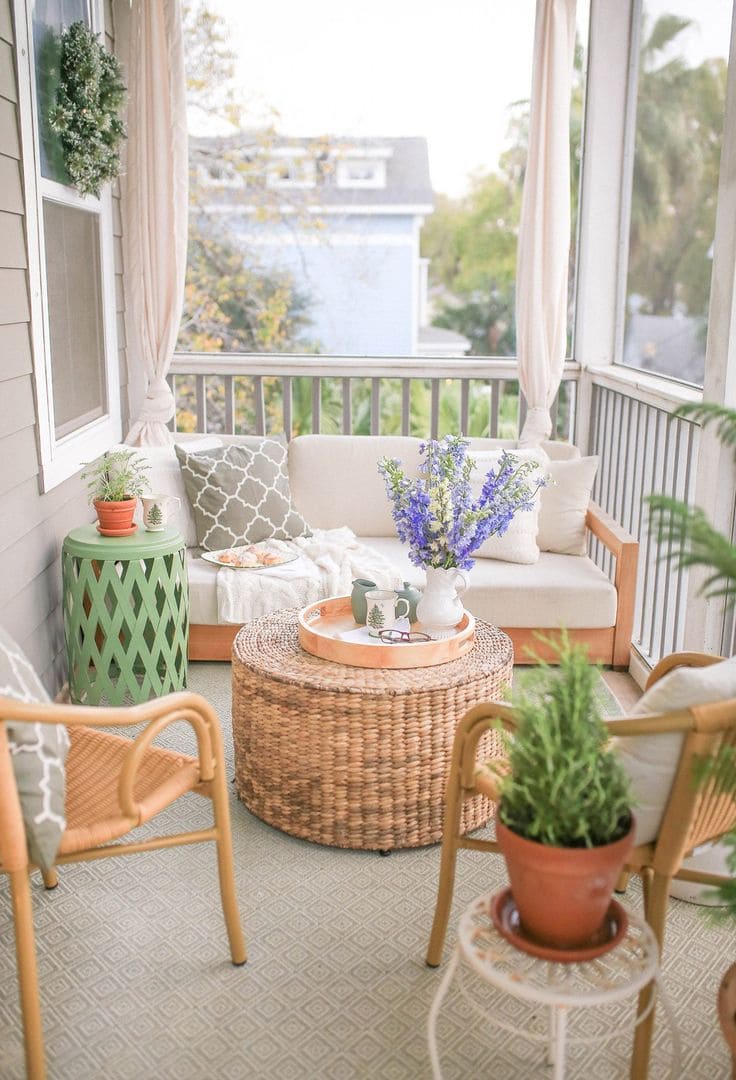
{"x":34,"y":524}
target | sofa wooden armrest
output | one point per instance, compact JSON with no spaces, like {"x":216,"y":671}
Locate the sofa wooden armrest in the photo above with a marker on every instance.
{"x":608,"y":645}
{"x":625,"y":550}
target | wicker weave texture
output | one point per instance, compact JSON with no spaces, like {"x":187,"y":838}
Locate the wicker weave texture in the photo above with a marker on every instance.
{"x":354,"y":757}
{"x":96,"y":758}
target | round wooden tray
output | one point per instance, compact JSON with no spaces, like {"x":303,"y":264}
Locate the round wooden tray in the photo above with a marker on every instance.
{"x":321,"y":624}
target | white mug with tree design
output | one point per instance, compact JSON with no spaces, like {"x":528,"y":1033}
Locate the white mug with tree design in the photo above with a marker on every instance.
{"x":157,"y":511}
{"x":383,"y":610}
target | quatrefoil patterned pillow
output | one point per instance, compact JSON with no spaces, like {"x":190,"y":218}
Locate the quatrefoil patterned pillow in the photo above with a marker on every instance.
{"x":240,"y":494}
{"x":37,"y":754}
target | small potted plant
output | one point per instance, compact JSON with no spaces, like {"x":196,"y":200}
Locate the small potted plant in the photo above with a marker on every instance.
{"x":564,"y":820}
{"x":114,"y":482}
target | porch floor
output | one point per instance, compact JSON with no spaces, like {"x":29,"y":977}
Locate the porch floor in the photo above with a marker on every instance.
{"x":136,"y":980}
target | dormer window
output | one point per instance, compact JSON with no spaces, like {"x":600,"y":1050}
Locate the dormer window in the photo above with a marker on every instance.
{"x":290,"y":171}
{"x":223,"y":174}
{"x":361,"y":173}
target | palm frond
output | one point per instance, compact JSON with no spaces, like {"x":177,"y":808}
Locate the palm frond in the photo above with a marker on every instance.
{"x":690,"y":540}
{"x":708,"y":412}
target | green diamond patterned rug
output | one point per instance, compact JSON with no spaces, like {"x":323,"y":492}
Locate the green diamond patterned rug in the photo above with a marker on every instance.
{"x":137,"y":984}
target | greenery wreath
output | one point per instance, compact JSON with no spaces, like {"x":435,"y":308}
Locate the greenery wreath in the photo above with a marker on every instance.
{"x":85,"y":114}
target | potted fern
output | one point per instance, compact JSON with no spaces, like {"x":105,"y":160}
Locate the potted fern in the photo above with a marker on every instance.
{"x":564,"y":820}
{"x":114,"y":482}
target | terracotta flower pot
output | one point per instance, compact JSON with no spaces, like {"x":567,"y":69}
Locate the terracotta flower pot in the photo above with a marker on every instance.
{"x":562,"y":894}
{"x":115,"y":518}
{"x":727,"y":1012}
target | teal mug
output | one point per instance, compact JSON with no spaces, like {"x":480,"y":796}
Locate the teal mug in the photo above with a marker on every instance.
{"x":360,"y":608}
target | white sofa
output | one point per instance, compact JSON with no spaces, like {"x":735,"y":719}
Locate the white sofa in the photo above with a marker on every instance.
{"x":334,"y":482}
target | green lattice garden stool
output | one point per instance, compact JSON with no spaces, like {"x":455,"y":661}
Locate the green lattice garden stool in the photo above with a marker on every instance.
{"x":126,"y":615}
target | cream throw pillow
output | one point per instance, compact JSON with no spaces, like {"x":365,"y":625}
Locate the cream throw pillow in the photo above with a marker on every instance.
{"x":651,"y":760}
{"x":564,"y":505}
{"x":519,"y":543}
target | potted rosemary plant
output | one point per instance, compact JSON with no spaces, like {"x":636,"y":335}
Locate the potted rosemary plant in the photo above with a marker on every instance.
{"x":114,"y":482}
{"x":564,"y":820}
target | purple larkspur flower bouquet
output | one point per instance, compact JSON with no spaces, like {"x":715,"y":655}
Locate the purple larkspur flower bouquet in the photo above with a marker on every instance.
{"x":436,"y":515}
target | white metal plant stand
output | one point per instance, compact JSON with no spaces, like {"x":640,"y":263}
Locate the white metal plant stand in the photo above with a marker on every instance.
{"x":610,"y":978}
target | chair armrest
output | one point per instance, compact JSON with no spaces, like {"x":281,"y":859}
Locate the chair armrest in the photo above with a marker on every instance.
{"x":488,"y":776}
{"x":476,"y":722}
{"x":157,"y":715}
{"x":655,"y":724}
{"x":13,"y":849}
{"x":680,"y":659}
{"x":625,"y":550}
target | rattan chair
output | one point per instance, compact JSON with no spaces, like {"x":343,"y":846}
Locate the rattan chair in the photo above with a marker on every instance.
{"x":113,"y":785}
{"x":693,"y":815}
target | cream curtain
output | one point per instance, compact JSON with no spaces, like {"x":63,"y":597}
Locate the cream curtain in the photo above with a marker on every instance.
{"x":544,"y":230}
{"x":155,"y":203}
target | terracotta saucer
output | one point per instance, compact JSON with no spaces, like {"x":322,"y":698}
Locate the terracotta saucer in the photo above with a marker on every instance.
{"x":507,"y":921}
{"x":117,"y":532}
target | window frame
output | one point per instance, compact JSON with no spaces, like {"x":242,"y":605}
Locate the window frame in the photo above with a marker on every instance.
{"x":628,"y":154}
{"x":62,"y":457}
{"x":377,"y":179}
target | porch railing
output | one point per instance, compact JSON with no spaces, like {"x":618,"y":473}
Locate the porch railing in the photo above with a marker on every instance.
{"x":644,"y":450}
{"x":234,"y":393}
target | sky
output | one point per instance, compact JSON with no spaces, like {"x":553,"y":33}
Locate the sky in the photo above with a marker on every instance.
{"x":445,"y":69}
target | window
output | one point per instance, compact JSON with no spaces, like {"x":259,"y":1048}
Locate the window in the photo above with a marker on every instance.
{"x":683,"y":60}
{"x":365,"y":178}
{"x":70,"y":263}
{"x":291,"y":170}
{"x":361,"y":174}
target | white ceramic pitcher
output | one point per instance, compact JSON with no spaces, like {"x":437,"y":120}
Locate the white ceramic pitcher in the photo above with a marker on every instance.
{"x":440,"y":607}
{"x":157,"y":510}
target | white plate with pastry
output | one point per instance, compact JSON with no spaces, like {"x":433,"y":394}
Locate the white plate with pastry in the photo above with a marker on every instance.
{"x":261,"y":556}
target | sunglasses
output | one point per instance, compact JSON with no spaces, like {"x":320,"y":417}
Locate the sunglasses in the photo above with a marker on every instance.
{"x":402,"y":637}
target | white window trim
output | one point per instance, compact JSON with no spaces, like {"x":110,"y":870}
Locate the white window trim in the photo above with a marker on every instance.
{"x":377,"y":179}
{"x":61,"y":458}
{"x":304,"y":167}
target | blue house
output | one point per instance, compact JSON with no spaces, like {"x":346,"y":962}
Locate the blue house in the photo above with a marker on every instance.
{"x":342,"y":217}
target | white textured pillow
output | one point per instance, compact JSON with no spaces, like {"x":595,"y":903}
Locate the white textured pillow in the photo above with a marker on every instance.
{"x":651,"y":760}
{"x":565,"y":505}
{"x":165,"y":478}
{"x":519,"y":543}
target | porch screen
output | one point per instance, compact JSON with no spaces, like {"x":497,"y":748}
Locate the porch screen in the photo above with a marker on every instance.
{"x":74,"y":316}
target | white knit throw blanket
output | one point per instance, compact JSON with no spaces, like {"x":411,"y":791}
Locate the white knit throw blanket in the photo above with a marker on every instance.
{"x":329,"y":561}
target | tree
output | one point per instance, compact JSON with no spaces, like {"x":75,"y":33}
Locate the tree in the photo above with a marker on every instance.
{"x":678,"y":142}
{"x":471,"y":242}
{"x":231,"y":303}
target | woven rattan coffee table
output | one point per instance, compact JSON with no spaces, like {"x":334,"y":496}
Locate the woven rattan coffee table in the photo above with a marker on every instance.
{"x":354,"y":757}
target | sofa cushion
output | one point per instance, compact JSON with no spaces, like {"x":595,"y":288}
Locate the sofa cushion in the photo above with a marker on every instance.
{"x":557,"y":590}
{"x":202,"y":578}
{"x":335,"y":479}
{"x":564,"y":506}
{"x":240,"y":494}
{"x":651,"y":760}
{"x":37,"y":752}
{"x":519,"y":543}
